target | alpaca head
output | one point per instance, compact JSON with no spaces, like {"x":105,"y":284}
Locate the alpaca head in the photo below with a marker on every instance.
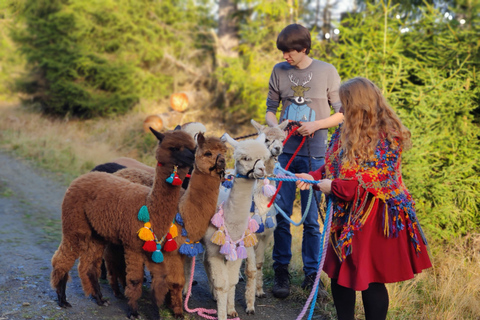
{"x":210,"y":155}
{"x":175,"y":148}
{"x":249,"y":155}
{"x":274,"y":136}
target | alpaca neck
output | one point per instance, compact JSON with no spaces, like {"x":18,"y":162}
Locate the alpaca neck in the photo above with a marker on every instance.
{"x":198,"y":204}
{"x":163,"y":199}
{"x":237,"y":207}
{"x":270,"y":165}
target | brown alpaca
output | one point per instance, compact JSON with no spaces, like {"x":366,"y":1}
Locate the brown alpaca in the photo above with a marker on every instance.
{"x":99,"y":207}
{"x":196,"y":207}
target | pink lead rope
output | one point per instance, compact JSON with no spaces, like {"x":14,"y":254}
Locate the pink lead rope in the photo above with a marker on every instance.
{"x":205,"y":313}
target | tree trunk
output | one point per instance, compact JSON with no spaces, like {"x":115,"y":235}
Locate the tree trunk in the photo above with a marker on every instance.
{"x":227,"y":29}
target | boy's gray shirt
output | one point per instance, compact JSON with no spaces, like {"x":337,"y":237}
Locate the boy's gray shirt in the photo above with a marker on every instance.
{"x":306,"y":95}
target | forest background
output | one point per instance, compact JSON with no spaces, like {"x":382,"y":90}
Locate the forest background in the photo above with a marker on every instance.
{"x":78,"y":77}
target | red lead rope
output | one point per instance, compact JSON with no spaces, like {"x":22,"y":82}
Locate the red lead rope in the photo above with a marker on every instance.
{"x":289,"y":162}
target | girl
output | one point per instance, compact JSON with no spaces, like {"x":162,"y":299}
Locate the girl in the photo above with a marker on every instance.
{"x":375,"y":236}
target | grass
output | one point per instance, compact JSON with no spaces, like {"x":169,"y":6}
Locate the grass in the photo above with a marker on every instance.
{"x":447,"y":291}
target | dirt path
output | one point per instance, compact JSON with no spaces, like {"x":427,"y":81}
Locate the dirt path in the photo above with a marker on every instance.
{"x":30,"y":231}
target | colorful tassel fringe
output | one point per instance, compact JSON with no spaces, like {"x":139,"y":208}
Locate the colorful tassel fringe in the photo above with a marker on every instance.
{"x":145,"y":233}
{"x":150,"y":246}
{"x":157,"y":256}
{"x":143,"y":214}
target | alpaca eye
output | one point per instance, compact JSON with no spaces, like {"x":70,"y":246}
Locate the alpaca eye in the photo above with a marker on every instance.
{"x":267,"y":141}
{"x":208,"y":154}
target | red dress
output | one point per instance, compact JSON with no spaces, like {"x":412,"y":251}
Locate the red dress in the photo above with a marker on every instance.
{"x":374,"y":257}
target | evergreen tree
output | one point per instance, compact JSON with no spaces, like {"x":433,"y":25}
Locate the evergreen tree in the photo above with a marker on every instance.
{"x":429,"y":76}
{"x":94,"y":58}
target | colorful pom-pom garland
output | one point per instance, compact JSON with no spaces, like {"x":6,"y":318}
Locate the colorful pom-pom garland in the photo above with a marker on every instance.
{"x":233,"y":250}
{"x":189,"y":248}
{"x":152,"y":244}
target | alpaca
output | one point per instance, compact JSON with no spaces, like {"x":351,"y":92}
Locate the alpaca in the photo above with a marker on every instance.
{"x":99,"y":207}
{"x":196,"y":207}
{"x":221,"y":261}
{"x":274,"y":137}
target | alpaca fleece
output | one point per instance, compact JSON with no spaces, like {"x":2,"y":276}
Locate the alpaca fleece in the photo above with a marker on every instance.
{"x":99,"y":207}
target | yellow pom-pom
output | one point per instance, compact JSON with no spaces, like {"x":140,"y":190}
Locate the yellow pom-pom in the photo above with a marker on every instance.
{"x":250,"y":240}
{"x":148,"y":225}
{"x":145,"y":234}
{"x":173,"y":230}
{"x":218,"y":238}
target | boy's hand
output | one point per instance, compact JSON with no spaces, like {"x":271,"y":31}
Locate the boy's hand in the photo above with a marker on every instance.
{"x":302,"y":185}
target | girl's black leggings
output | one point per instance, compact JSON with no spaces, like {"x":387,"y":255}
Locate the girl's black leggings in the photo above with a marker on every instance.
{"x":375,"y":301}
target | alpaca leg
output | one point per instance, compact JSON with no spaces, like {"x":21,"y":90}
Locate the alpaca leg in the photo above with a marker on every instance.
{"x":133,"y":290}
{"x":89,"y":270}
{"x":114,"y":256}
{"x":62,"y":261}
{"x":187,"y":269}
{"x":159,"y":285}
{"x":250,"y":271}
{"x":260,"y":259}
{"x":218,"y":274}
{"x":208,"y":269}
{"x":233,"y":268}
{"x":176,"y":281}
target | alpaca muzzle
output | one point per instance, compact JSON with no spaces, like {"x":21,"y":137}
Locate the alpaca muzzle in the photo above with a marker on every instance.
{"x":185,"y":158}
{"x":219,"y":165}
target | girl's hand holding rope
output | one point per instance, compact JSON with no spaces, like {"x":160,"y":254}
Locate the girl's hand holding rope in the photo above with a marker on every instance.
{"x":325,"y":186}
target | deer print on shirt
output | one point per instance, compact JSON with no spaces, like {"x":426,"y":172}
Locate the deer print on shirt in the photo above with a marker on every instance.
{"x":299,"y":110}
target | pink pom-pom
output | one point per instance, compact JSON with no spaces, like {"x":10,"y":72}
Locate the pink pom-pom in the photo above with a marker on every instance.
{"x":241,"y":251}
{"x":217,"y":219}
{"x":268,"y":190}
{"x":253,"y":225}
{"x":232,"y":256}
{"x":226,"y":248}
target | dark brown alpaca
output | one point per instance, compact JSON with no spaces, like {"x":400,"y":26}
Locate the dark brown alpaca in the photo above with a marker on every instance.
{"x":99,"y":207}
{"x":196,"y":207}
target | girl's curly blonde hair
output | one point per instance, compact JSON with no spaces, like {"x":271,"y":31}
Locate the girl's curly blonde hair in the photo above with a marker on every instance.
{"x":368,"y":118}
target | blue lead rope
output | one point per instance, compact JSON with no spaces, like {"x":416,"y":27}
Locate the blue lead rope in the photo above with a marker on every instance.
{"x":288,"y":173}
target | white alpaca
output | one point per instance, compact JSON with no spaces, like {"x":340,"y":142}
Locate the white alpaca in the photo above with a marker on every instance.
{"x":274,"y":137}
{"x":223,"y":270}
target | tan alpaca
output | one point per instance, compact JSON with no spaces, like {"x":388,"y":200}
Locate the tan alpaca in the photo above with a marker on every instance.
{"x":196,"y":207}
{"x":250,"y":156}
{"x":100,"y":207}
{"x":274,"y":137}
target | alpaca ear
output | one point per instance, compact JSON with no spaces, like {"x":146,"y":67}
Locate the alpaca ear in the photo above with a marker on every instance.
{"x":178,"y":127}
{"x":283,"y":125}
{"x":200,"y":138}
{"x":257,"y":125}
{"x":228,"y":139}
{"x":261,"y":137}
{"x":157,"y":134}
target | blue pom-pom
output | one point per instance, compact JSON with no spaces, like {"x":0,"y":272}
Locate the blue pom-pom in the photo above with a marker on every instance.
{"x":178,"y":219}
{"x":261,"y":228}
{"x":227,"y":184}
{"x":184,"y":232}
{"x":269,"y":222}
{"x":198,"y":248}
{"x":143,"y":214}
{"x":157,"y":256}
{"x":185,"y":249}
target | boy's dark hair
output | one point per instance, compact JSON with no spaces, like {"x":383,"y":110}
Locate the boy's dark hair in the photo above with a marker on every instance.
{"x":294,"y":37}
